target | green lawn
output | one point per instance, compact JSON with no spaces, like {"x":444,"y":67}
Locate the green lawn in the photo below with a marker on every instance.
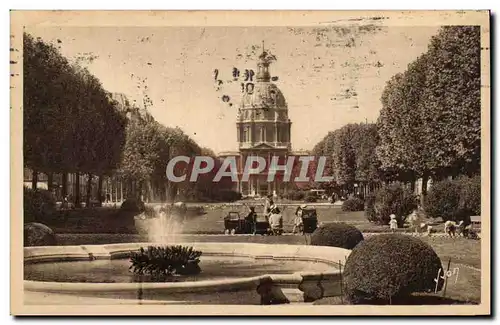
{"x":111,"y":221}
{"x":106,"y":225}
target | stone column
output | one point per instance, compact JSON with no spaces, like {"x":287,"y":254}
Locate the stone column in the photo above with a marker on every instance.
{"x":121,"y":190}
{"x":276,"y":140}
{"x":258,"y":184}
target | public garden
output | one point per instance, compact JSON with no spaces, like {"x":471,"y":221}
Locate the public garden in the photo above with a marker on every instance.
{"x":106,"y":225}
{"x":399,"y":185}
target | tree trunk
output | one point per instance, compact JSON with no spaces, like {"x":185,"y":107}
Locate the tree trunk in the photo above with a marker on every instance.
{"x":425,"y":180}
{"x":99,"y":190}
{"x":139,"y":190}
{"x":129,"y":193}
{"x":34,"y":179}
{"x":77,"y":189}
{"x":89,"y":191}
{"x":50,"y":181}
{"x":64,"y":190}
{"x":412,"y":184}
{"x":151,"y":194}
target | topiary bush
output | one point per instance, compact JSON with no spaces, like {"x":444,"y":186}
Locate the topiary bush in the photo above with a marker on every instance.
{"x":387,"y":268}
{"x":455,"y":200}
{"x":336,"y":235}
{"x":353,"y":204}
{"x":160,"y":262}
{"x":370,"y":212}
{"x":392,"y":199}
{"x":470,"y":195}
{"x":443,"y":200}
{"x":37,"y":234}
{"x":133,"y":205}
{"x":38,"y":204}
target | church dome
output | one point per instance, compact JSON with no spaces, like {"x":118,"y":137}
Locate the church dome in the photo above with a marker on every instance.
{"x":263,"y":95}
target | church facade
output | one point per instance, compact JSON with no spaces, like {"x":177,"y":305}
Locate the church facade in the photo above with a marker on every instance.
{"x":263,"y":129}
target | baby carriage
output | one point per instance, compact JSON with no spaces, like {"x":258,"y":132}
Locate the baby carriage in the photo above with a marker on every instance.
{"x":234,"y":223}
{"x":310,"y":220}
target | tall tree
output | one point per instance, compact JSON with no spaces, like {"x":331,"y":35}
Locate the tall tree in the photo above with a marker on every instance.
{"x":452,"y":100}
{"x":430,"y":121}
{"x":70,"y":125}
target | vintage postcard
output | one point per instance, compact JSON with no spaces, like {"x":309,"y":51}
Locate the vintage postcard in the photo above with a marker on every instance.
{"x":250,"y":163}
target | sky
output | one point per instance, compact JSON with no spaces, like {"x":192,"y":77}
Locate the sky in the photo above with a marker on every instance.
{"x":329,"y":75}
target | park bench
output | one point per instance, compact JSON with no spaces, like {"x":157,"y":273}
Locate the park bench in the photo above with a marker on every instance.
{"x":475,"y":222}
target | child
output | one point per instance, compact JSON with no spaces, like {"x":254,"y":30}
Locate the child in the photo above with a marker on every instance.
{"x":414,"y":220}
{"x":393,"y":224}
{"x":298,"y":223}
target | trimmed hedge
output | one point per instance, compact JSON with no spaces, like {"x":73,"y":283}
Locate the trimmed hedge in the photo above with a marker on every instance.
{"x":37,"y":234}
{"x":388,"y":268}
{"x":353,"y":204}
{"x":391,"y":199}
{"x":370,"y":212}
{"x":454,"y":199}
{"x":470,"y":195}
{"x":133,"y":205}
{"x":38,"y":204}
{"x":336,"y":235}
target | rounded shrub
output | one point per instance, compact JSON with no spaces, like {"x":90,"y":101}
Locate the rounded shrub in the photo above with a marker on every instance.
{"x":389,"y":268}
{"x":392,"y":199}
{"x":37,"y":234}
{"x":470,"y":195}
{"x":443,"y":200}
{"x":336,"y":235}
{"x":133,"y":205}
{"x":38,"y":204}
{"x":353,"y":204}
{"x":370,"y":212}
{"x":454,"y":199}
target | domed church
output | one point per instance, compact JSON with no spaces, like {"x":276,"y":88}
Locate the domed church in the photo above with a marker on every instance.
{"x":262,"y":129}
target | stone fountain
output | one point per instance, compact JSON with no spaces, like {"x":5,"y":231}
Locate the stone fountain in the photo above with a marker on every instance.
{"x":232,"y":273}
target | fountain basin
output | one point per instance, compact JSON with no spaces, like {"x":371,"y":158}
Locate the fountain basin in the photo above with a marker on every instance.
{"x":296,"y":273}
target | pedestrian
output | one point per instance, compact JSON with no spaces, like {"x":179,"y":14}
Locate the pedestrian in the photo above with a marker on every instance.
{"x":251,"y":220}
{"x":268,"y":203}
{"x":414,"y":220}
{"x":393,"y":223}
{"x":298,"y":222}
{"x":275,"y":220}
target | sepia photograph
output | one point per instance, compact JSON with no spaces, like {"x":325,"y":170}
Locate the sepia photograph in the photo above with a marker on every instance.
{"x":250,"y":163}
